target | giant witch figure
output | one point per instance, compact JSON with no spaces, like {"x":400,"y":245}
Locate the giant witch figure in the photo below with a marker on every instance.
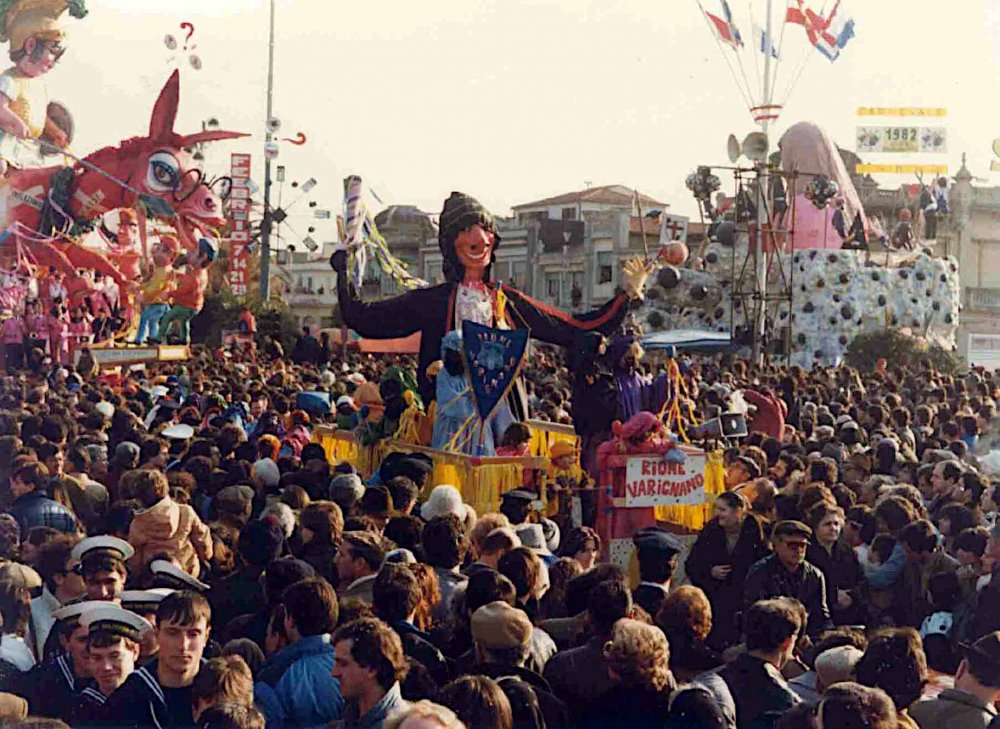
{"x":468,"y":239}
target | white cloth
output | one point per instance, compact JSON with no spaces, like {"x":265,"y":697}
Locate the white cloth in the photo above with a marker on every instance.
{"x":938,"y":623}
{"x":14,"y":649}
{"x":42,"y":621}
{"x":472,"y":304}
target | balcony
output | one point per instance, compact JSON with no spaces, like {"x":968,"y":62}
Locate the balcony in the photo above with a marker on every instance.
{"x":303,"y":296}
{"x":981,"y":299}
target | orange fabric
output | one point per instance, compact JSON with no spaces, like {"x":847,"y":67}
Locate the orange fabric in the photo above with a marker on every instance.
{"x":191,"y":287}
{"x":403,"y":345}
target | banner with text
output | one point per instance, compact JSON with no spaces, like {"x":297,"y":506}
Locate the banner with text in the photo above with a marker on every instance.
{"x":902,"y":111}
{"x":652,"y":481}
{"x":901,"y":139}
{"x":239,"y":218}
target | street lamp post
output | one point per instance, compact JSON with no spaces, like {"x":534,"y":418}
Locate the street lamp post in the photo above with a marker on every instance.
{"x":265,"y":225}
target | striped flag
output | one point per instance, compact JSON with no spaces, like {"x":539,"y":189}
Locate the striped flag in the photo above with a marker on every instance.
{"x":764,"y":44}
{"x":827,"y":35}
{"x":725,"y":28}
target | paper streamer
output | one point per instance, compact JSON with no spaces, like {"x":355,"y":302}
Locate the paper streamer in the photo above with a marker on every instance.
{"x":362,"y":238}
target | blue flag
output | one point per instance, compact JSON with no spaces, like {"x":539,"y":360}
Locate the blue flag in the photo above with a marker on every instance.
{"x":493,"y":358}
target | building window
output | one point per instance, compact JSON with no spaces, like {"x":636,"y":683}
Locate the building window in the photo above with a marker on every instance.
{"x":552,"y":287}
{"x":605,"y":267}
{"x":518,"y":269}
{"x":433,"y":272}
{"x":569,"y":213}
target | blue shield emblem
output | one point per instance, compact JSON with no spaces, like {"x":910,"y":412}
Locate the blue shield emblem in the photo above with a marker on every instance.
{"x":493,"y":358}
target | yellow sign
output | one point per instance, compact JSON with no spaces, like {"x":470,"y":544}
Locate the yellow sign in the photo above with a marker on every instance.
{"x":901,"y":111}
{"x":901,"y":169}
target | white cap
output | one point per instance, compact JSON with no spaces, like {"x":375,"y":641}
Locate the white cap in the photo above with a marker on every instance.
{"x":105,"y":408}
{"x":533,"y":537}
{"x":115,"y":619}
{"x":76,"y":609}
{"x":175,"y":577}
{"x":144,"y":601}
{"x":444,"y":501}
{"x":178,"y":431}
{"x":159,"y":391}
{"x":103,"y":543}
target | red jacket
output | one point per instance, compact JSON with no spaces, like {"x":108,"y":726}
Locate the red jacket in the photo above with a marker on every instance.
{"x":770,"y":416}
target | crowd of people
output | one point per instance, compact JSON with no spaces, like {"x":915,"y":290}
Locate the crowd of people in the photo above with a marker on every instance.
{"x":176,"y":550}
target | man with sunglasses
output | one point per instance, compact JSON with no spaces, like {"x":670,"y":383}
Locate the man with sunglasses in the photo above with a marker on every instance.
{"x":786,"y":573}
{"x":62,"y":585}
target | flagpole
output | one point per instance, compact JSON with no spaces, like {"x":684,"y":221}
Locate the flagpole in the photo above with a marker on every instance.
{"x":760,"y":312}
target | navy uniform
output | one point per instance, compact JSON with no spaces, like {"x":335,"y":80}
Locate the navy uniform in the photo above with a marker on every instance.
{"x":657,"y":551}
{"x":142,"y":702}
{"x":89,"y":707}
{"x":51,"y":687}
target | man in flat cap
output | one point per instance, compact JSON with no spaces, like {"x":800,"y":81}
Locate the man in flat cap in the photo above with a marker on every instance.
{"x":516,"y":505}
{"x":786,"y":573}
{"x":971,"y":704}
{"x":502,"y":636}
{"x":656,"y":550}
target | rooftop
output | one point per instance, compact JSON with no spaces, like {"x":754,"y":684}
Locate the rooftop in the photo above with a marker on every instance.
{"x":605,"y":195}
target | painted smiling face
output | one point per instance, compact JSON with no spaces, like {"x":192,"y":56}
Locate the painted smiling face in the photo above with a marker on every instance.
{"x":474,"y":248}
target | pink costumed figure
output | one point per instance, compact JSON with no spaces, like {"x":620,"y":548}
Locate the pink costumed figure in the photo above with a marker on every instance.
{"x":643,"y":433}
{"x":806,"y":149}
{"x":58,"y":324}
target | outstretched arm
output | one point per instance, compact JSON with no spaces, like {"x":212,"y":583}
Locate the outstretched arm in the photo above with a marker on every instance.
{"x":397,"y":317}
{"x":557,"y":327}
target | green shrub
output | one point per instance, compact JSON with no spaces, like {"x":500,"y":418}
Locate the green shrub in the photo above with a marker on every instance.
{"x":899,"y":349}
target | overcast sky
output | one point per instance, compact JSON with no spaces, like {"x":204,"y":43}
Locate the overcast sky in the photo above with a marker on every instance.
{"x":514,"y":100}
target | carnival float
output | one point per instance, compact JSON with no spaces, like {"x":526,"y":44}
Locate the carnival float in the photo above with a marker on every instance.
{"x":90,"y":240}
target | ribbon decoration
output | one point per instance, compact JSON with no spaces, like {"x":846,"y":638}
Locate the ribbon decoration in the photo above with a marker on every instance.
{"x":362,"y":237}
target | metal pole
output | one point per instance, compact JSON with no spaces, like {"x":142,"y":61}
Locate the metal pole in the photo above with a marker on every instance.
{"x":265,"y":225}
{"x":760,"y":290}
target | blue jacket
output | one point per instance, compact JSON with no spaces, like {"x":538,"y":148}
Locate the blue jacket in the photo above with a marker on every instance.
{"x":35,"y":509}
{"x":295,"y":687}
{"x":885,"y":575}
{"x":376,"y":716}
